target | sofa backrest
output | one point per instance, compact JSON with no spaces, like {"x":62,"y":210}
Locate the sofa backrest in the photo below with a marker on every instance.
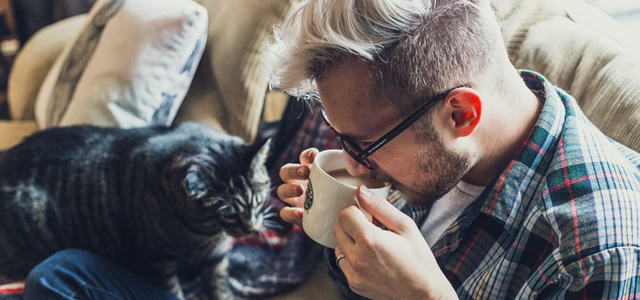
{"x":585,"y":52}
{"x":576,"y":46}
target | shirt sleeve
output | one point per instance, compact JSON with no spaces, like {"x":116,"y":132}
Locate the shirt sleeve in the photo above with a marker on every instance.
{"x":613,"y":273}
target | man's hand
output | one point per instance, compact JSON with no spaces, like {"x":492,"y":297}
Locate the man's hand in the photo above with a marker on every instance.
{"x":392,"y":264}
{"x":292,"y":191}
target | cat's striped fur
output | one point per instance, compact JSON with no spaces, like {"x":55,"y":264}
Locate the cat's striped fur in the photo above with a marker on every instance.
{"x":155,"y":200}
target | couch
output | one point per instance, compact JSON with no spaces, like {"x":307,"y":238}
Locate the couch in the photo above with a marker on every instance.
{"x":227,"y":91}
{"x":577,"y":47}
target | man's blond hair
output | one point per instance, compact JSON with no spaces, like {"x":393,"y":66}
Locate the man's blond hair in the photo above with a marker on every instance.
{"x":414,"y":49}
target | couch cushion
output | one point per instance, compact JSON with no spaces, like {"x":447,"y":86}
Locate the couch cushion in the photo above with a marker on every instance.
{"x":203,"y":102}
{"x":583,"y":51}
{"x":602,"y":74}
{"x":237,"y":32}
{"x":516,"y":16}
{"x":129,"y":65}
{"x":13,"y":132}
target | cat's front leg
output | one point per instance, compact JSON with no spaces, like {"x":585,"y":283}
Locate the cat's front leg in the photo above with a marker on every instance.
{"x":215,"y":279}
{"x":163,"y":273}
{"x":172,"y":285}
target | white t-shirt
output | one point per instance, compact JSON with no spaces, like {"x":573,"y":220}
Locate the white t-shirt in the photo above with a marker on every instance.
{"x":446,"y":209}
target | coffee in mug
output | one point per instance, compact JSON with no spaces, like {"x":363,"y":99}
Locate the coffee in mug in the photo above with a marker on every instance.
{"x":343,"y":176}
{"x":330,"y":189}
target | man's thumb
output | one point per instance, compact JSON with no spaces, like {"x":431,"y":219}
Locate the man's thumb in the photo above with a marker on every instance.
{"x":381,"y":210}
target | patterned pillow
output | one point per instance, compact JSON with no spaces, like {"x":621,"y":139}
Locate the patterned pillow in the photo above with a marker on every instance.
{"x":130,"y":65}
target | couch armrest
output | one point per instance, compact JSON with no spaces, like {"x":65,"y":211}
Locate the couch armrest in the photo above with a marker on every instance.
{"x":32,"y":65}
{"x":12,"y":132}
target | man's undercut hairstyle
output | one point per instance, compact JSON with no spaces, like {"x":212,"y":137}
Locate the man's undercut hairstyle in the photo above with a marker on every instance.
{"x":414,"y":49}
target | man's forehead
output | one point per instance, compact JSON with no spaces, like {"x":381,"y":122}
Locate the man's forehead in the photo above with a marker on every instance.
{"x":347,"y":97}
{"x":358,"y":120}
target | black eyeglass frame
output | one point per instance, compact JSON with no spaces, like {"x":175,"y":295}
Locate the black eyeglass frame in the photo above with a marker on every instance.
{"x":361,"y":157}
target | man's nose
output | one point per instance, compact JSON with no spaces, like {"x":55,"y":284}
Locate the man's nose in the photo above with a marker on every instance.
{"x":353,"y":167}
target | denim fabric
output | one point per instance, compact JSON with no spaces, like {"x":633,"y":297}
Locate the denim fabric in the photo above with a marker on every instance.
{"x":79,"y":274}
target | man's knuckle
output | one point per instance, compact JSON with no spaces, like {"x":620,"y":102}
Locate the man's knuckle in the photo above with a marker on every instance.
{"x":355,"y":283}
{"x":336,"y":228}
{"x":359,"y":265}
{"x":370,"y":243}
{"x":405,"y":223}
{"x":343,"y":215}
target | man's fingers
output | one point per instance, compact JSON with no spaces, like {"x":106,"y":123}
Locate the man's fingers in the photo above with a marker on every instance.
{"x":291,"y":172}
{"x":353,"y":227}
{"x":387,"y":214}
{"x":292,"y":215}
{"x":343,"y":262}
{"x":343,"y":239}
{"x":307,"y":156}
{"x":290,"y":190}
{"x":341,"y":257}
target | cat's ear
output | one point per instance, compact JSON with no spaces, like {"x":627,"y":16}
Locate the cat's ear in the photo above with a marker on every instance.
{"x":259,"y":151}
{"x":195,"y":183}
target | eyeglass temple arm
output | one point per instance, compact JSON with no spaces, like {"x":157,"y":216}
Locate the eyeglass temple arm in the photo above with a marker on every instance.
{"x":397,"y":130}
{"x":406,"y":123}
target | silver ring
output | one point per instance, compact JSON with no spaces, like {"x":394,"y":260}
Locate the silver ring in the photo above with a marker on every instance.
{"x":338,"y":258}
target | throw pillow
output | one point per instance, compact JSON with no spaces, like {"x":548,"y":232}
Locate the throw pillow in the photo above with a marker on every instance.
{"x":130,"y":65}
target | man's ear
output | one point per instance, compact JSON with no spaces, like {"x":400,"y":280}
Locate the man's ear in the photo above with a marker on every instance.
{"x":466,"y":110}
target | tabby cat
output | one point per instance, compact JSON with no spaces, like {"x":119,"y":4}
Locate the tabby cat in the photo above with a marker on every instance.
{"x":156,"y":200}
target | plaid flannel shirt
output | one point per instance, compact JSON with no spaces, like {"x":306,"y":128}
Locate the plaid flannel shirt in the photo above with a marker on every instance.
{"x":562,"y":221}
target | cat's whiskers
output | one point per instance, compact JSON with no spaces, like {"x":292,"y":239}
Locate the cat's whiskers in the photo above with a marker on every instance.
{"x":272,"y":219}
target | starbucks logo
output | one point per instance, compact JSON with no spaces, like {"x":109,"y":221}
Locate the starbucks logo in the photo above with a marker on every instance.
{"x":308,"y":201}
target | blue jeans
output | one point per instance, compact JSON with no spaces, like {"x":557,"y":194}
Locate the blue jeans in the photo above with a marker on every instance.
{"x":79,"y":274}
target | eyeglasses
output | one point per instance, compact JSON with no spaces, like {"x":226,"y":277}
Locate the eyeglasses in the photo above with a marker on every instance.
{"x":361,"y":156}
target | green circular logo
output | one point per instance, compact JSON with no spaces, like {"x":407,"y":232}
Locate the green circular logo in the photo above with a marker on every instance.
{"x":308,"y":201}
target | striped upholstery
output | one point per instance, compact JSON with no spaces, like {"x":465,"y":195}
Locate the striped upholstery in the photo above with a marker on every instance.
{"x":231,"y":80}
{"x":583,"y":51}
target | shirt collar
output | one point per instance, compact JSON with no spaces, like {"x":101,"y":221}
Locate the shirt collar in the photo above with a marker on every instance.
{"x":508,"y":193}
{"x":510,"y":188}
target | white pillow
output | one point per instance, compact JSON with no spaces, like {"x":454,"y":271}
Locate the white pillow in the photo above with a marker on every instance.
{"x":130,"y":65}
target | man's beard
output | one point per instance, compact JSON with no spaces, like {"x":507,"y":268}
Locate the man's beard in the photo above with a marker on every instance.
{"x":441,"y":171}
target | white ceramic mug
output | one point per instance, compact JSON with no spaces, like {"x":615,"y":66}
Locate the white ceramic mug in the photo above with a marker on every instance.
{"x":327,"y":196}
